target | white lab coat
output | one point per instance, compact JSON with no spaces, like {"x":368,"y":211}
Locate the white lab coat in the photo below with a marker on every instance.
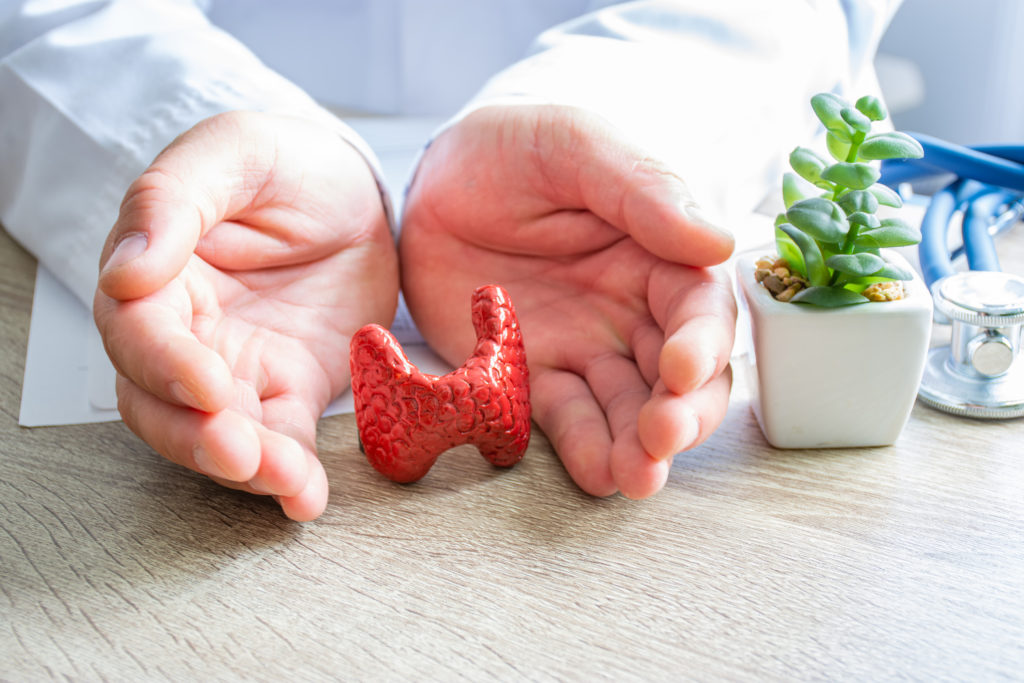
{"x":92,"y":90}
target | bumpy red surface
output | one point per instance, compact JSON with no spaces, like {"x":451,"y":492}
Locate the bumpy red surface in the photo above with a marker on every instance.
{"x":407,"y":418}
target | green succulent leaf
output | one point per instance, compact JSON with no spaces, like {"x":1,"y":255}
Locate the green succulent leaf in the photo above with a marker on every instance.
{"x":888,"y":274}
{"x":891,"y":232}
{"x":856,"y":119}
{"x":837,"y":147}
{"x":843,"y":135}
{"x":894,"y":272}
{"x":835,"y":240}
{"x":857,"y":265}
{"x":828,"y":108}
{"x":791,"y":190}
{"x":820,"y":218}
{"x":852,"y":175}
{"x":788,"y":250}
{"x":865,"y":220}
{"x":866,"y":243}
{"x":886,"y":196}
{"x":858,"y":200}
{"x":862,"y":283}
{"x":828,"y":297}
{"x":807,"y":163}
{"x":872,"y":108}
{"x":893,"y":145}
{"x":814,"y":265}
{"x":828,"y":250}
{"x":897,"y":222}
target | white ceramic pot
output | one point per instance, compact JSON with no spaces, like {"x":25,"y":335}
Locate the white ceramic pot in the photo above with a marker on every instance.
{"x":841,"y":377}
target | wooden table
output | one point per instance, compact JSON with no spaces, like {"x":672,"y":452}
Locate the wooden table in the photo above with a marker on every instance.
{"x":898,"y":562}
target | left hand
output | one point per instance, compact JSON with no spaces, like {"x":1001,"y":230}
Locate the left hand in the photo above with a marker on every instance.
{"x":627,"y":332}
{"x":242,"y":262}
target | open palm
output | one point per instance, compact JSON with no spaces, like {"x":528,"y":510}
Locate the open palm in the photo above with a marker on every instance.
{"x":241,"y":264}
{"x":627,"y":331}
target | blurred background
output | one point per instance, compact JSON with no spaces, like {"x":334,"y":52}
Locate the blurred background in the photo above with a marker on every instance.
{"x":955,"y":69}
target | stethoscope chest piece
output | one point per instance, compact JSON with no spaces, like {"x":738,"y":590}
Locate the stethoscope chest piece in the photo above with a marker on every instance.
{"x":979,"y":373}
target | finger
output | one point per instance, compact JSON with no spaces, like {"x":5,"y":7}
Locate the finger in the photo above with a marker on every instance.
{"x":290,"y":414}
{"x":156,"y":232}
{"x":698,"y":312}
{"x":619,"y":388}
{"x":670,"y":423}
{"x":284,"y":468}
{"x":647,"y":342}
{"x":227,"y":446}
{"x":695,"y":353}
{"x":288,"y":408}
{"x":311,"y":502}
{"x":626,"y":187}
{"x":637,"y":475}
{"x":288,"y":436}
{"x":148,"y":341}
{"x":569,"y":415}
{"x":224,"y":445}
{"x":621,"y":391}
{"x":199,"y":179}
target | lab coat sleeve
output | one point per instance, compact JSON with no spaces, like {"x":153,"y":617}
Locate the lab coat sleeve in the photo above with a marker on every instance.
{"x":90,"y":92}
{"x":717,"y":90}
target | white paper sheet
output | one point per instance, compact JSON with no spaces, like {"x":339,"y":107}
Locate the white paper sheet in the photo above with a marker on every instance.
{"x":68,"y":377}
{"x":61,"y":371}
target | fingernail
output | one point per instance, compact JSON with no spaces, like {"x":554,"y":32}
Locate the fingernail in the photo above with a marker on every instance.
{"x":206,"y":464}
{"x":131,"y":246}
{"x":696,"y":214}
{"x":184,"y":395}
{"x":689,"y":429}
{"x":707,"y":372}
{"x":258,"y":485}
{"x":689,"y":433}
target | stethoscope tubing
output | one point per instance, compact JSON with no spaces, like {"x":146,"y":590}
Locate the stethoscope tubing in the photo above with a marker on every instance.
{"x":989,"y":180}
{"x":999,"y":165}
{"x":978,"y":216}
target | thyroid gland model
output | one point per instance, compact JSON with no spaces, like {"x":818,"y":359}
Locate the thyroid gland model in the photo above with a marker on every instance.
{"x":407,"y":418}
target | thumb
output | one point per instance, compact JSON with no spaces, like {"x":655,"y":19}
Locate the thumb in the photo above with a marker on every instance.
{"x":155,"y":234}
{"x":190,"y":187}
{"x":639,"y":195}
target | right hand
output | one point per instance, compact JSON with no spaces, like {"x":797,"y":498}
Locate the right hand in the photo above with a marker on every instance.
{"x":243,"y":260}
{"x":628,"y":330}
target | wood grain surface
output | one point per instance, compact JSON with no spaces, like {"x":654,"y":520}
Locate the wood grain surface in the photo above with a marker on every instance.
{"x":905,"y":562}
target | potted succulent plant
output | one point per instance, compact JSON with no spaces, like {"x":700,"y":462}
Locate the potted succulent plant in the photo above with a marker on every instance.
{"x":840,"y":322}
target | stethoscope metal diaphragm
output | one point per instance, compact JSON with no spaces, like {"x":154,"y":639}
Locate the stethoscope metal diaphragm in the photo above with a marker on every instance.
{"x":978,"y":374}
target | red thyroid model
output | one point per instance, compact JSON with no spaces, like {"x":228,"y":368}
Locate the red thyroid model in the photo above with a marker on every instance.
{"x":407,"y":418}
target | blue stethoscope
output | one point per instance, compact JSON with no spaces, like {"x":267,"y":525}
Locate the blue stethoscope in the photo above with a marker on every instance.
{"x":978,"y":374}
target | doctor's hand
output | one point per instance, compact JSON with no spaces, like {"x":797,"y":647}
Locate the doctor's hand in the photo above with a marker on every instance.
{"x":628,"y":334}
{"x":242,"y":262}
